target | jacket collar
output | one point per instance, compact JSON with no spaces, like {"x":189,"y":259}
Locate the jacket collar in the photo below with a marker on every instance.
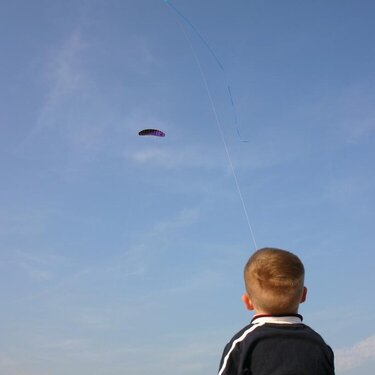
{"x":277,"y":319}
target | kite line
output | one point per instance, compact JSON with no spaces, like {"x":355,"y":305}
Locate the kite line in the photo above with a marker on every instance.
{"x":212,"y":103}
{"x":218,"y":62}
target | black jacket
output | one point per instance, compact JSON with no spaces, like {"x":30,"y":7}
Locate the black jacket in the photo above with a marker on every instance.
{"x":277,"y":345}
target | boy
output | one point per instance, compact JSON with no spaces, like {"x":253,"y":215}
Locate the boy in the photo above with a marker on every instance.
{"x":276,"y":342}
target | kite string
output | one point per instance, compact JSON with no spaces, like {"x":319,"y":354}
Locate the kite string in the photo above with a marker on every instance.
{"x":213,"y":54}
{"x":213,"y":107}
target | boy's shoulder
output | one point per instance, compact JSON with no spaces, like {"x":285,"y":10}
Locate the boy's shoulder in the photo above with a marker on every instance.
{"x":267,"y":326}
{"x":272,"y":339}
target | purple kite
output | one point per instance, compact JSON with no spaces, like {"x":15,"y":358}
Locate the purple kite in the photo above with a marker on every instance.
{"x":154,"y":132}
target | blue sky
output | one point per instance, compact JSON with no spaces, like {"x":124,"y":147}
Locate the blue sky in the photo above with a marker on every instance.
{"x":122,"y":254}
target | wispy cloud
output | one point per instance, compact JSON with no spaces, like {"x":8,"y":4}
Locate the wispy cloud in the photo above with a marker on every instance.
{"x":197,"y":354}
{"x":341,"y":116}
{"x":356,"y":355}
{"x":179,"y":156}
{"x":185,"y":217}
{"x":187,"y":354}
{"x":132,"y":263}
{"x":11,"y":366}
{"x":63,"y":78}
{"x":142,"y":56}
{"x":24,"y":225}
{"x":135,"y":260}
{"x":357,"y":118}
{"x":259,"y":154}
{"x":21,"y":223}
{"x":38,"y":265}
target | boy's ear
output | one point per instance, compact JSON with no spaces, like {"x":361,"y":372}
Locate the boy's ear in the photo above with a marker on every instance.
{"x":304,"y":293}
{"x":247,"y":301}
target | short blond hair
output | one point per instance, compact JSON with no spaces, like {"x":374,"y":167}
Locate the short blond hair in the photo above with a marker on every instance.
{"x":274,"y":280}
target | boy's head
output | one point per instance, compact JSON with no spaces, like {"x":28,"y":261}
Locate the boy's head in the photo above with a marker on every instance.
{"x":274,"y":281}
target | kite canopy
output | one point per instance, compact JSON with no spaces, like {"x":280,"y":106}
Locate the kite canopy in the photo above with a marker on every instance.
{"x":154,"y":132}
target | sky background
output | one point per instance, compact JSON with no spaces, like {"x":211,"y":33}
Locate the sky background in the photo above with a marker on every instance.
{"x":122,"y":254}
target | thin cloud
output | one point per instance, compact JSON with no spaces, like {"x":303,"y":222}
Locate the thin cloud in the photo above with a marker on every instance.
{"x":186,"y":355}
{"x":341,"y":117}
{"x":357,"y":119}
{"x":142,"y":56}
{"x":37,"y":266}
{"x":196,"y":355}
{"x":133,"y":262}
{"x":10,"y":366}
{"x":179,"y":157}
{"x":186,"y":217}
{"x":20,"y":224}
{"x":36,"y":273}
{"x":64,"y":77}
{"x":356,"y":355}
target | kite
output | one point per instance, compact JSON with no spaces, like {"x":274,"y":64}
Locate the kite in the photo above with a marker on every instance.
{"x":154,"y":132}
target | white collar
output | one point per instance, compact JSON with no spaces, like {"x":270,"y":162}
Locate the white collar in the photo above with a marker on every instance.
{"x":281,"y":319}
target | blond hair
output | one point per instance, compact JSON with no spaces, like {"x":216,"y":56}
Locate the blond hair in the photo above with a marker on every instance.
{"x":274,"y":280}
